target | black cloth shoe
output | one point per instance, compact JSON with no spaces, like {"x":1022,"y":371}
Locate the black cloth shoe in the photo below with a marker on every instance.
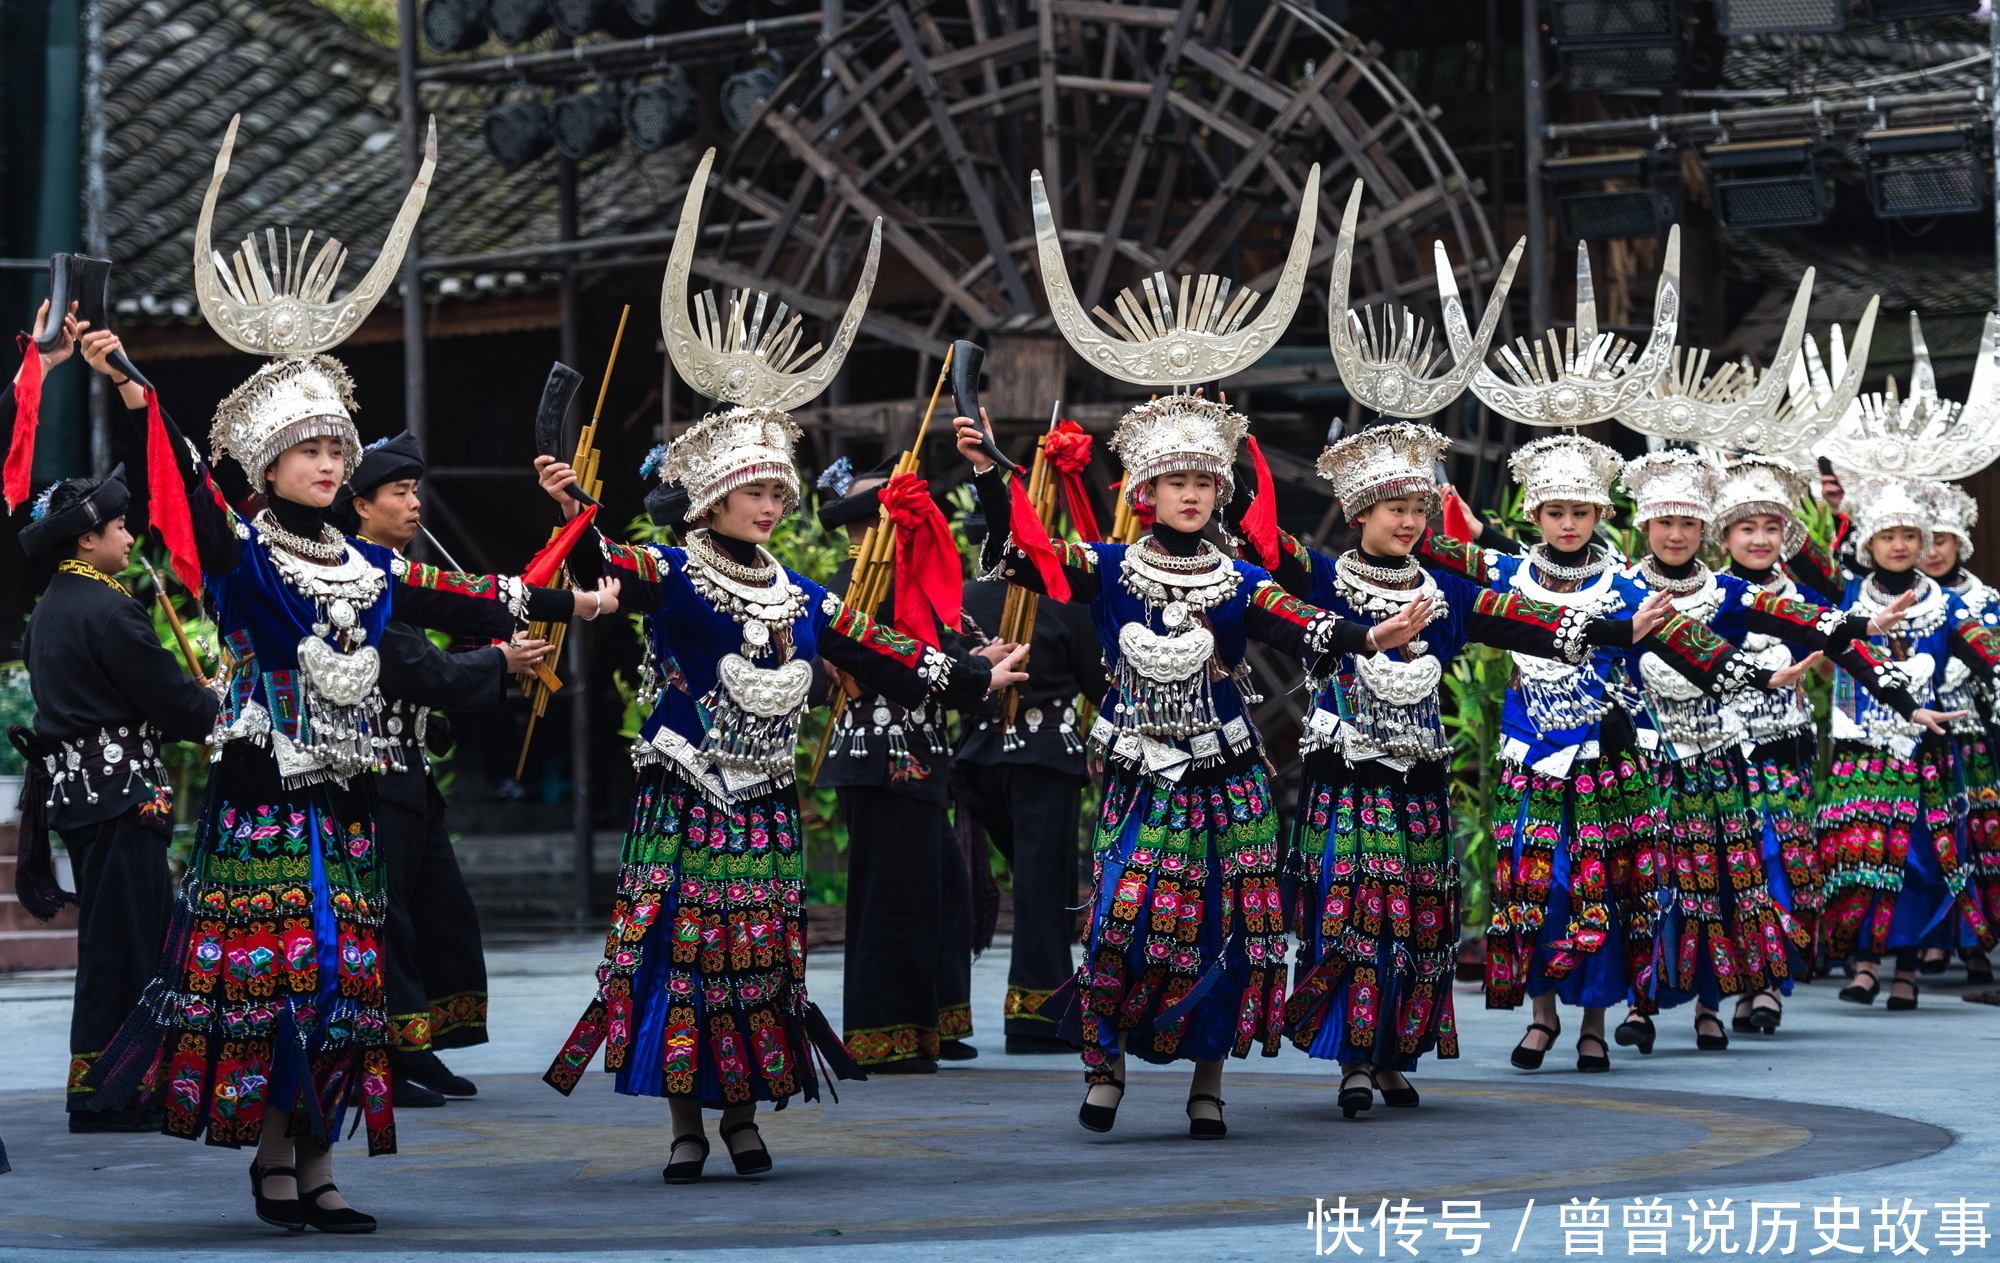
{"x":1037,"y":1046}
{"x":342,"y":1220}
{"x":685,"y":1172}
{"x":290,"y":1213}
{"x":1526,"y":1058}
{"x":1100,"y":1118}
{"x":425,"y":1068}
{"x":1901,"y":1003}
{"x":1207,"y":1128}
{"x":1592,"y":1063}
{"x":406,"y":1093}
{"x":747,"y":1161}
{"x":1717,"y":1042}
{"x":956,"y":1050}
{"x":88,"y":1121}
{"x":1636,"y":1031}
{"x":908,"y":1065}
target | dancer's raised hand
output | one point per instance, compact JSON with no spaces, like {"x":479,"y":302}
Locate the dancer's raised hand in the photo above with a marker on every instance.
{"x":1402,"y":626}
{"x":555,"y":475}
{"x":1892,"y":614}
{"x":1786,"y":677}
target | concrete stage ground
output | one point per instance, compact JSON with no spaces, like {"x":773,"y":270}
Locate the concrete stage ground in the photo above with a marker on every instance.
{"x":985,"y":1159}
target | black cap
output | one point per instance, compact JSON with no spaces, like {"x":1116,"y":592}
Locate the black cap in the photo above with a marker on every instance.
{"x":386,"y":460}
{"x":850,"y":506}
{"x":56,"y":524}
{"x":668,"y":506}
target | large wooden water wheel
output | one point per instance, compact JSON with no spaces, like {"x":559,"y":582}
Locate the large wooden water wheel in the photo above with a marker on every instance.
{"x":1175,"y":139}
{"x":1178,"y":136}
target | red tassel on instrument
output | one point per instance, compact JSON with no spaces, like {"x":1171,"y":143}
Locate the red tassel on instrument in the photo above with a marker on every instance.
{"x":543,"y":566}
{"x":1260,"y":523}
{"x":930,"y":586}
{"x":1457,"y":517}
{"x":1068,"y":450}
{"x":27,"y":412}
{"x":166,"y":504}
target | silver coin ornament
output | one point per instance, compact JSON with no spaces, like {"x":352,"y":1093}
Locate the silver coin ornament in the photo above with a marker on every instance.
{"x":1175,"y":615}
{"x":341,"y":612}
{"x":881,"y":716}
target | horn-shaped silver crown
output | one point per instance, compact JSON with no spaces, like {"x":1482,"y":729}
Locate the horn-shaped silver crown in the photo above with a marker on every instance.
{"x":1164,"y":339}
{"x":281,"y":302}
{"x":1385,"y":357}
{"x":748,"y":354}
{"x":1688,"y":405}
{"x":1584,"y":376}
{"x":1924,"y":436}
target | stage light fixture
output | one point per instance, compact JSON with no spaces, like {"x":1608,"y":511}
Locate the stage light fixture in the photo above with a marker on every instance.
{"x":1918,"y":172}
{"x":515,"y":22}
{"x":1780,"y":17}
{"x":585,"y":123}
{"x":1770,"y":183}
{"x":745,"y":92}
{"x":578,"y":18}
{"x":517,"y":133}
{"x":1605,"y":45}
{"x":454,"y":26}
{"x":661,"y":114}
{"x":1904,"y":10}
{"x":1640,"y":207}
{"x":649,"y":15}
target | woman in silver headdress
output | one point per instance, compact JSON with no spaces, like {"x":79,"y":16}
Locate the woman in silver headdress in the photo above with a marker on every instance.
{"x":1184,"y":959}
{"x":1379,"y":906}
{"x":1574,"y":893}
{"x":1722,"y":931}
{"x":701,"y":997}
{"x":266,"y":1020}
{"x":1978,"y":734}
{"x":1892,"y":827}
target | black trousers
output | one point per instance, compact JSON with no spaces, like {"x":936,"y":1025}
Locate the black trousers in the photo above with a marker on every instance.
{"x":1032,"y":814}
{"x":433,"y":963}
{"x":125,"y":897}
{"x":908,"y":981}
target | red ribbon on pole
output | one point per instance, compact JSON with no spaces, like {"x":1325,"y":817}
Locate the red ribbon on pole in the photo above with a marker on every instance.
{"x":166,"y":499}
{"x":543,"y":565}
{"x":27,"y":413}
{"x":1260,"y":522}
{"x":1068,"y":450}
{"x":930,"y":586}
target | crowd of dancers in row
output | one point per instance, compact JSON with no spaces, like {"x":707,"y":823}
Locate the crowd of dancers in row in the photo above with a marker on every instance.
{"x":1664,"y":840}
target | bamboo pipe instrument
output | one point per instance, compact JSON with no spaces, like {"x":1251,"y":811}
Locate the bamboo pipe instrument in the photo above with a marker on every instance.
{"x":868,"y":581}
{"x":544,"y":683}
{"x":188,"y":654}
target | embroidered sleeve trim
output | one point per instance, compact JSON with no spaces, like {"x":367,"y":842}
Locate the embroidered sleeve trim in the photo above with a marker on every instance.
{"x":418,"y":575}
{"x":1689,"y":640}
{"x":1467,"y":560}
{"x":869,"y":634}
{"x":643,"y":562}
{"x":1317,"y":624}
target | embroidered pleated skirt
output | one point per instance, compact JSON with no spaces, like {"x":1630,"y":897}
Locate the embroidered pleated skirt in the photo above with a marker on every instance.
{"x":1185,"y":955}
{"x":1722,"y":931}
{"x":1778,"y":779}
{"x":701,"y":994}
{"x":1574,"y":883}
{"x":269,"y":993}
{"x":1377,"y":914}
{"x":1892,"y":832}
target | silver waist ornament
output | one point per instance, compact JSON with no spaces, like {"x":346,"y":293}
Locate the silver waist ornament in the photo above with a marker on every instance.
{"x":1559,"y":696}
{"x":1393,"y":705}
{"x":341,"y":715}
